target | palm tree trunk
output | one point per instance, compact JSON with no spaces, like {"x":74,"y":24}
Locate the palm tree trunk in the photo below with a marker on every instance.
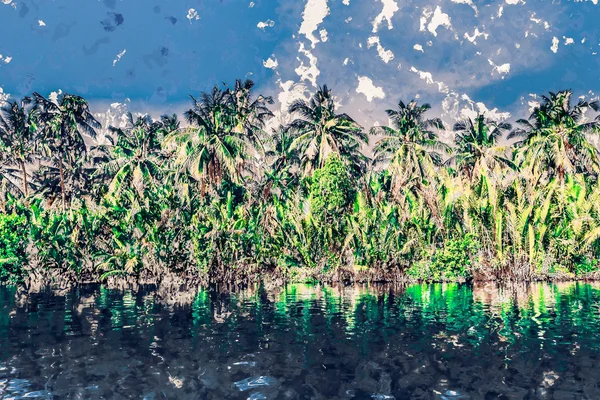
{"x":24,"y":178}
{"x":62,"y":184}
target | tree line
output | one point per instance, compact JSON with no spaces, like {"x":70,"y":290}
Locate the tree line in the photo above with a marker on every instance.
{"x":226,"y":198}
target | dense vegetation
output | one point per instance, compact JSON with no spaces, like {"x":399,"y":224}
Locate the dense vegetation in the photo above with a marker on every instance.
{"x":226,"y":198}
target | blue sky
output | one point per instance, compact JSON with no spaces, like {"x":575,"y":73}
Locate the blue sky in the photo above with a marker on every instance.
{"x":462,"y":56}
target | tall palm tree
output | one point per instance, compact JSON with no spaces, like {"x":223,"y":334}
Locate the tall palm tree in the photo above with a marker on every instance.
{"x":249,"y":113}
{"x":137,"y":156}
{"x":169,"y":124}
{"x":477,"y":145}
{"x":211,"y":151}
{"x":17,"y":136}
{"x":279,"y":172}
{"x":410,"y":144}
{"x":553,"y":140}
{"x":225,"y":125}
{"x":321,"y":131}
{"x":62,"y":125}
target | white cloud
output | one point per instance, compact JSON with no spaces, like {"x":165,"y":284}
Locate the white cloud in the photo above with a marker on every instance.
{"x":472,"y":109}
{"x":428,"y":78}
{"x":366,"y":87}
{"x":389,"y":9}
{"x":438,"y":18}
{"x":3,"y":96}
{"x":468,"y":2}
{"x":192,"y":15}
{"x":266,"y":24}
{"x":314,"y":13}
{"x":554,"y":46}
{"x":540,"y":21}
{"x":385,"y":55}
{"x":418,"y":47}
{"x":271,"y":63}
{"x":323,"y":35}
{"x":41,"y":23}
{"x":54,"y":95}
{"x":502,"y":70}
{"x":308,"y":72}
{"x":119,"y":56}
{"x":457,"y":107}
{"x":476,"y":34}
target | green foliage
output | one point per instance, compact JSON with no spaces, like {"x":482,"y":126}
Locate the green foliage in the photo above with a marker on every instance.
{"x":14,"y":237}
{"x":454,"y":260}
{"x":331,"y":192}
{"x":223,"y":199}
{"x":584,"y":266}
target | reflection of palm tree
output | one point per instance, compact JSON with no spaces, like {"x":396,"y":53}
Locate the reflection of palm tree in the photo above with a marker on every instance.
{"x":321,"y":131}
{"x":554,"y":138}
{"x":17,"y":137}
{"x":409,"y":144}
{"x":62,"y":125}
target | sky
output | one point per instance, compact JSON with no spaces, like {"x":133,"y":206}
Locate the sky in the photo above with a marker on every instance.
{"x":461,"y":56}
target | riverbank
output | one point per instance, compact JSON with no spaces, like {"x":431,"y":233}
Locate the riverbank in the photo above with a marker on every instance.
{"x":225,"y":199}
{"x":171,"y":284}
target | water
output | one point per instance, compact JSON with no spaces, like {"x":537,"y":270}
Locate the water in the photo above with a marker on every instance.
{"x":305,"y":342}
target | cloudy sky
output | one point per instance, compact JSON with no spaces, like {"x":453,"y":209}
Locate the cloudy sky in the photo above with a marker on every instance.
{"x":461,"y":56}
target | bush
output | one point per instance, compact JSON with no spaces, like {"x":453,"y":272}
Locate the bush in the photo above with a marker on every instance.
{"x":453,"y":261}
{"x":331,"y":193}
{"x":14,"y":237}
{"x":585,"y":265}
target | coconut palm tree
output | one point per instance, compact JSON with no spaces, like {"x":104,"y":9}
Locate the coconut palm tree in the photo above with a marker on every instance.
{"x":477,"y":145}
{"x":553,"y":140}
{"x":17,"y":136}
{"x":225,"y":125}
{"x":137,"y":156}
{"x":62,"y":125}
{"x":277,"y":172}
{"x":249,"y":113}
{"x":321,"y":131}
{"x":210,"y":150}
{"x":410,"y":144}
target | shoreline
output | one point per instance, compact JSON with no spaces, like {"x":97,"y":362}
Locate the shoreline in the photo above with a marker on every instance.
{"x":274,"y":279}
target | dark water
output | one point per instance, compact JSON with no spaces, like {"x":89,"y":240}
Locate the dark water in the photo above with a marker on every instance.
{"x":305,"y":342}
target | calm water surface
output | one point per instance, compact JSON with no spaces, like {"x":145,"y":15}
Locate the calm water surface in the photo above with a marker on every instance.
{"x":305,"y":342}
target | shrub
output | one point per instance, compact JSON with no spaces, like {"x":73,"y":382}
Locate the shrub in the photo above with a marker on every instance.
{"x":14,"y":237}
{"x":452,"y":261}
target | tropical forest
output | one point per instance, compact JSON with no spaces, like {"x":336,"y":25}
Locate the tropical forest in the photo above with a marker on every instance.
{"x":225,"y":193}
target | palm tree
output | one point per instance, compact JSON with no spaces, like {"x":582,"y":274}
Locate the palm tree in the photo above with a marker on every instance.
{"x":17,"y":136}
{"x":211,"y":151}
{"x":249,"y":113}
{"x":169,"y":124}
{"x":321,"y":131}
{"x":477,"y":145}
{"x":225,"y":124}
{"x":279,"y":172}
{"x":137,"y":156}
{"x":62,"y":125}
{"x":410,"y":145}
{"x":553,"y":139}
